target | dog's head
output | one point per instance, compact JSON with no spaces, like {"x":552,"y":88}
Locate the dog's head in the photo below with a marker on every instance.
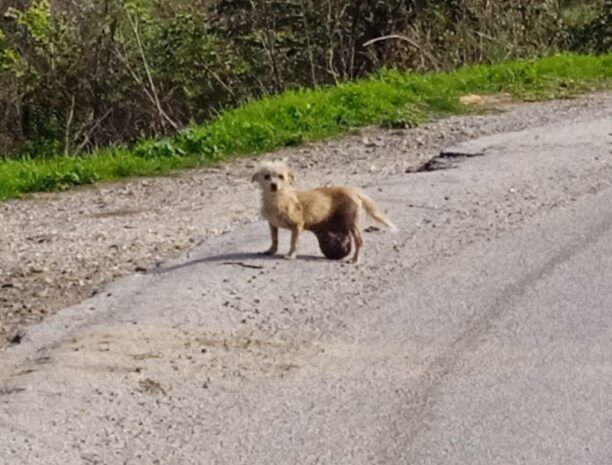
{"x":274,"y":176}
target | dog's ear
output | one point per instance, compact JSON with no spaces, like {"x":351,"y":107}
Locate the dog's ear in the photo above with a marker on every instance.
{"x":256,"y":176}
{"x":291,"y":175}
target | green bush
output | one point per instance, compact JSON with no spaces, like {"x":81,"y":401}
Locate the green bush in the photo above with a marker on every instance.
{"x":77,"y":76}
{"x":593,"y":35}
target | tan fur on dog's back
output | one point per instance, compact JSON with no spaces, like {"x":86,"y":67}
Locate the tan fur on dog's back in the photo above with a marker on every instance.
{"x":319,"y":204}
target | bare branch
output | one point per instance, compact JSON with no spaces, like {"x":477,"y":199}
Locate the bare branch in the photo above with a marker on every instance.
{"x":91,"y":130}
{"x":433,"y":60}
{"x":68,"y":127}
{"x":162,"y":113}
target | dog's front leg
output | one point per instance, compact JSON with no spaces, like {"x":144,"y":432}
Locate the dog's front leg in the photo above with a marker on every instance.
{"x":295,"y":238}
{"x":274,"y":247}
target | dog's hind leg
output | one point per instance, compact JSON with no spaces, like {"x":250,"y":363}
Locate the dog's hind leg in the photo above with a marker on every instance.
{"x":356,"y":233}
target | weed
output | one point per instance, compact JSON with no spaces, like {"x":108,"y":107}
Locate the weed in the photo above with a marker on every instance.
{"x":389,"y":98}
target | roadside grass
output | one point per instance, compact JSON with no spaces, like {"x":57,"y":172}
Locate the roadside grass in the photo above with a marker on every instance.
{"x":389,"y":99}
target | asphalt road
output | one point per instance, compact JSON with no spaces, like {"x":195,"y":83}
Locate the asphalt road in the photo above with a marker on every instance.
{"x":480,"y":334}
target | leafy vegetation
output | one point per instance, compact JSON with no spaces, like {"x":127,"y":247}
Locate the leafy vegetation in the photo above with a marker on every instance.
{"x":589,"y":29}
{"x":77,"y":76}
{"x":387,"y":98}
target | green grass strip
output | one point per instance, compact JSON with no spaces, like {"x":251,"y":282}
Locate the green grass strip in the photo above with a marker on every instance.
{"x":389,"y":99}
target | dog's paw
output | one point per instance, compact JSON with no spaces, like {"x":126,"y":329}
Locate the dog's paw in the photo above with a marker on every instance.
{"x":268,"y":252}
{"x":290,"y":256}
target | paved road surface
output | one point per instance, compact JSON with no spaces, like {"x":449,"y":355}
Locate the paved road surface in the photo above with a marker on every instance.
{"x":480,"y":334}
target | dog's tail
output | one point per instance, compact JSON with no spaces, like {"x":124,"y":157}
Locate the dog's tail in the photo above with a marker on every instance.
{"x":372,"y":210}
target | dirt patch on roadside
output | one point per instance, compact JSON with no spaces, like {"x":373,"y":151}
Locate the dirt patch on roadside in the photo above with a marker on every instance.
{"x":58,"y":249}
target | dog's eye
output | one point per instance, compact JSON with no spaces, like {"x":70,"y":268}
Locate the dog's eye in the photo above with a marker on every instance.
{"x":267,"y":177}
{"x":281,"y":177}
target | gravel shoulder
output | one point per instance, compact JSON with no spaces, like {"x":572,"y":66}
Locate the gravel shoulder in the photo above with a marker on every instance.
{"x":58,"y":249}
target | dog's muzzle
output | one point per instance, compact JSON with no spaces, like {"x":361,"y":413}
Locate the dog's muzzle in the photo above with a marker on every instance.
{"x":273,"y":187}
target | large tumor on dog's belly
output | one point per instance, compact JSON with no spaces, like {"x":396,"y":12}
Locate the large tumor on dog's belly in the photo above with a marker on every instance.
{"x":335,"y":245}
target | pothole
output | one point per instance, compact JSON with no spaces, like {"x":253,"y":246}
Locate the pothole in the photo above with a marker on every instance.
{"x":447,"y":159}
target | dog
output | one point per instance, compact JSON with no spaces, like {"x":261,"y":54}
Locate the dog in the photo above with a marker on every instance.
{"x":326,"y":211}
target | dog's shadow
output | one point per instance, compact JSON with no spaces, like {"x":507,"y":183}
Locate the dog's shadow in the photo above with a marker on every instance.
{"x":238,"y":259}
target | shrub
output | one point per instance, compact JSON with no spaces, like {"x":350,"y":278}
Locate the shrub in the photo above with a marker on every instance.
{"x":75,"y":76}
